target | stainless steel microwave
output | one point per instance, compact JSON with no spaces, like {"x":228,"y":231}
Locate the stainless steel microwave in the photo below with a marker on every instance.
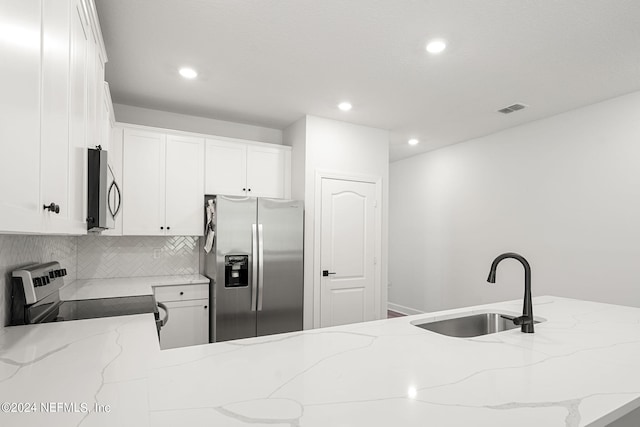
{"x":103,"y":193}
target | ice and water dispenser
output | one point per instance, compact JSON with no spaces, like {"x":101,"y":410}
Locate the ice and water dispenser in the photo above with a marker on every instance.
{"x":236,"y":271}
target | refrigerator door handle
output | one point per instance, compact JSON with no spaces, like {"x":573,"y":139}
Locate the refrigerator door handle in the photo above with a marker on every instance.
{"x":254,"y":266}
{"x":260,"y":266}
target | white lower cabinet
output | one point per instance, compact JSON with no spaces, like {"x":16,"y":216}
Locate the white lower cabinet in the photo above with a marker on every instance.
{"x":188,"y":307}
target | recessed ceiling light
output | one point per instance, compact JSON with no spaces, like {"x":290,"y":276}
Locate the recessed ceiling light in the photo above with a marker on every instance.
{"x":436,"y":46}
{"x":412,"y":392}
{"x":188,"y":73}
{"x":344,"y":106}
{"x":413,"y":141}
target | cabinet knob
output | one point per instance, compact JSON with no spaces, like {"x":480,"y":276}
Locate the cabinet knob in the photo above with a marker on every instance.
{"x":249,"y":189}
{"x":161,"y":228}
{"x":168,"y":228}
{"x":181,"y":293}
{"x":52,"y":207}
{"x":205,"y":307}
{"x":244,"y":189}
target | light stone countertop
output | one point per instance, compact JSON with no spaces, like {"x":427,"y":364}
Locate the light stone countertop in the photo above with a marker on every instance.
{"x":124,"y":286}
{"x":579,"y":368}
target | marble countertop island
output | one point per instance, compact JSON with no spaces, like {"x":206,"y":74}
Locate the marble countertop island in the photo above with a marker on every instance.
{"x":579,"y":368}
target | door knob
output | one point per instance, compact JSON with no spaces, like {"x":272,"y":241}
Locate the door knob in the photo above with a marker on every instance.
{"x":325,"y":273}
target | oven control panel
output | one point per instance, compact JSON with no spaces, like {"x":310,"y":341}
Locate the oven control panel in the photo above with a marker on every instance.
{"x":40,"y":280}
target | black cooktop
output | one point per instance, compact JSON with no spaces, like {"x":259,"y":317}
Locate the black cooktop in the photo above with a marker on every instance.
{"x":103,"y":307}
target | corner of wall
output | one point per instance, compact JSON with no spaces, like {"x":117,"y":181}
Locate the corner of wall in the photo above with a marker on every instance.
{"x":295,"y":137}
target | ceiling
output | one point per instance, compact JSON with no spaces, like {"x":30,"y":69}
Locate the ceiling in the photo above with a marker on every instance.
{"x":270,"y":62}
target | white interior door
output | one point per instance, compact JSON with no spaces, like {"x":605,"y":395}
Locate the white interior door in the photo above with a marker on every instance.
{"x":347,"y":253}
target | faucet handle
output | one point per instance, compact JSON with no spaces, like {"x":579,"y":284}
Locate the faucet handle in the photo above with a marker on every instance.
{"x":523,"y":320}
{"x":525,"y":323}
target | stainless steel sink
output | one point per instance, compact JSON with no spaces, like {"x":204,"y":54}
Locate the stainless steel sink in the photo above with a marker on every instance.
{"x":472,"y":325}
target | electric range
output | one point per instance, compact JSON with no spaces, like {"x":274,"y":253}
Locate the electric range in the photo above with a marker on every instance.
{"x":35,"y":298}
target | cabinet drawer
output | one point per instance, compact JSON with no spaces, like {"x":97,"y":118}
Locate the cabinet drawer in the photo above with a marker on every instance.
{"x":181,"y":292}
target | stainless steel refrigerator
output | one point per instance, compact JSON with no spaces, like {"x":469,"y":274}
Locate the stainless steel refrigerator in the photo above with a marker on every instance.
{"x":256,"y":267}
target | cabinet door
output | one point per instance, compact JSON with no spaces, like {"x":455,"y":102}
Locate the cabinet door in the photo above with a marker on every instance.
{"x":95,"y":89}
{"x":106,"y":117}
{"x":143,"y":193}
{"x":20,"y":49}
{"x":184,"y":186}
{"x":226,"y":168}
{"x":188,"y":324}
{"x":56,"y":155}
{"x":266,"y":168}
{"x":78,"y":52}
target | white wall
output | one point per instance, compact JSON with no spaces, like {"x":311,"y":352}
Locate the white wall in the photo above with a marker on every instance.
{"x":562,"y":191}
{"x":343,"y":148}
{"x":296,"y":137}
{"x":164,"y":119}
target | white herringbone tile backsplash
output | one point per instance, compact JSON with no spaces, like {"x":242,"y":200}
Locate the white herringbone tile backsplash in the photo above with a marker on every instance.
{"x":18,"y":251}
{"x":97,"y":257}
{"x":132,"y":256}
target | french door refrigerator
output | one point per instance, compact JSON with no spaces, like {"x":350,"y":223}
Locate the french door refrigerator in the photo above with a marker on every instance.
{"x":256,"y":267}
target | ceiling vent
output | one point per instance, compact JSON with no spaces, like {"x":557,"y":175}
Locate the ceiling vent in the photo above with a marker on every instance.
{"x":512,"y":108}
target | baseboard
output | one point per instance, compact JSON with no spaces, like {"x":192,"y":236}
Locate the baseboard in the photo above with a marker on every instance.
{"x":402,"y":309}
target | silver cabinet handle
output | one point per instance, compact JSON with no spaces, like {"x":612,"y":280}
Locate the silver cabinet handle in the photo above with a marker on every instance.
{"x":254,"y":266}
{"x":164,"y":321}
{"x":260,"y":265}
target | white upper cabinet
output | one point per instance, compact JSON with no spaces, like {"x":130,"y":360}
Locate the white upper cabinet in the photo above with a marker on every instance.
{"x":55,"y":153}
{"x":78,"y":129}
{"x":241,"y":169}
{"x":163,"y":184}
{"x":184,"y":186}
{"x":143,"y":183}
{"x":107,"y":118}
{"x":267,"y":170}
{"x":226,"y":168}
{"x":20,"y":50}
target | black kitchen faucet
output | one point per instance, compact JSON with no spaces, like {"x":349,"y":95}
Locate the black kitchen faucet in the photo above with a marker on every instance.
{"x":526,"y":320}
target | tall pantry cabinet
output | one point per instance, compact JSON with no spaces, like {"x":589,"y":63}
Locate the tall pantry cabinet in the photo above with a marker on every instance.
{"x":53,"y":63}
{"x":20,"y":115}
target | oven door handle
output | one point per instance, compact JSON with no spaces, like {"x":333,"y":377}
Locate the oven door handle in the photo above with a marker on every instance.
{"x":164,"y":321}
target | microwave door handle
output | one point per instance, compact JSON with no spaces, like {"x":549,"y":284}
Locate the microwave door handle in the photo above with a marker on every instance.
{"x":117,"y":202}
{"x":254,"y":266}
{"x":119,"y":194}
{"x":260,"y":266}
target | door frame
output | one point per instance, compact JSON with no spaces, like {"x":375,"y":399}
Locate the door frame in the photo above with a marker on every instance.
{"x":317,"y":233}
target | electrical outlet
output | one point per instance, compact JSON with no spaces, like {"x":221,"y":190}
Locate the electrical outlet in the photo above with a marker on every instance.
{"x":157,"y":253}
